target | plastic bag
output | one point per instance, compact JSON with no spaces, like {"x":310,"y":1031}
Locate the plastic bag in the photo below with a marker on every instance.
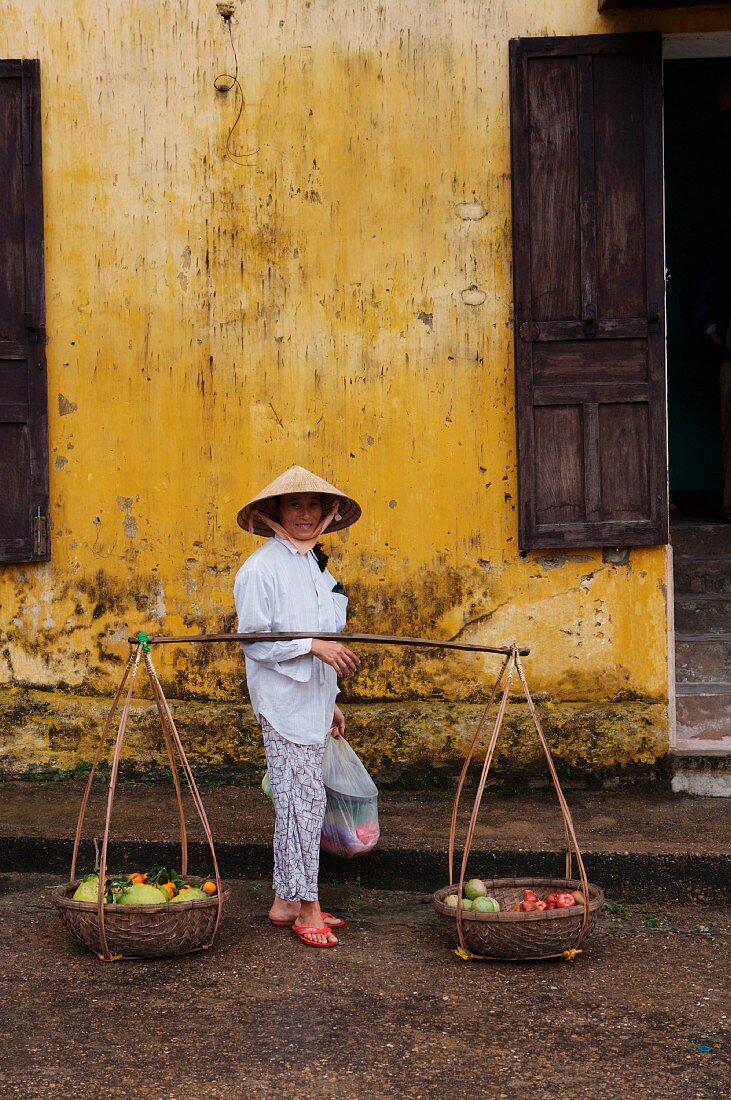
{"x":351,"y":824}
{"x":351,"y":817}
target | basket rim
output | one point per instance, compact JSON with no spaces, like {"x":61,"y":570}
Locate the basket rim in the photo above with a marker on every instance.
{"x":596,"y":900}
{"x":63,"y":901}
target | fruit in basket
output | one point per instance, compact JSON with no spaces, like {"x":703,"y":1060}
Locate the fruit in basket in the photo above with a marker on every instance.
{"x":137,"y":877}
{"x":485,"y":905}
{"x":142,"y":893}
{"x":164,"y":876}
{"x":565,"y":900}
{"x":451,"y":901}
{"x":578,"y":897}
{"x":530,"y":895}
{"x":475,"y":888}
{"x":88,"y":889}
{"x":154,"y":887}
{"x":190,"y":893}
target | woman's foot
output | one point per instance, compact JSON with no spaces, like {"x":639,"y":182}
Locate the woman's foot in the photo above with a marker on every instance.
{"x":284,"y":912}
{"x":310,"y":916}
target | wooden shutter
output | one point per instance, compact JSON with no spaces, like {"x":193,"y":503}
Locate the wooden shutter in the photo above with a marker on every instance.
{"x":589,"y":290}
{"x":23,"y":400}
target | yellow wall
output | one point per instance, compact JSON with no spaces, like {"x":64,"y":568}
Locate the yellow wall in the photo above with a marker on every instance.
{"x":211,"y":321}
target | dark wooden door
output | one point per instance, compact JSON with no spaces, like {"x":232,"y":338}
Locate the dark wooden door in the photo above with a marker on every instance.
{"x":23,"y":400}
{"x":589,"y":290}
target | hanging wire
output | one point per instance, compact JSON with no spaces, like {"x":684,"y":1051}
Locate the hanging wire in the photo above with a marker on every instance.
{"x":224,"y":83}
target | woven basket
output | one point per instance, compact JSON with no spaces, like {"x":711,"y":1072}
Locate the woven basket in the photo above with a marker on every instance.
{"x":504,"y":935}
{"x":142,"y":931}
{"x":515,"y":936}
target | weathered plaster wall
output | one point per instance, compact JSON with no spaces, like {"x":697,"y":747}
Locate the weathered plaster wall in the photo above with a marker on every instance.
{"x":211,"y":320}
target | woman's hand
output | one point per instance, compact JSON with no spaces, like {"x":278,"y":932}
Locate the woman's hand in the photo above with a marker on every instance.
{"x":335,"y":654}
{"x":338,"y":726}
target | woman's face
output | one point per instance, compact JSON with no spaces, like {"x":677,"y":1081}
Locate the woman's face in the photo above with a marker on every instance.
{"x":300,"y":513}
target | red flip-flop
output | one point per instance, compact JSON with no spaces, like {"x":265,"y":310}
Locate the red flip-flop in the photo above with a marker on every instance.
{"x":327,"y":918}
{"x":331,"y":921}
{"x":304,"y":933}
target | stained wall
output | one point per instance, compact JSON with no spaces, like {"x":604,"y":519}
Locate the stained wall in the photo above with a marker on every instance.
{"x":240,"y":281}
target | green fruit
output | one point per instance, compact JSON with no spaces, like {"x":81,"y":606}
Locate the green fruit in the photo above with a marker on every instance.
{"x":88,"y":889}
{"x":450,"y":901}
{"x":467,"y":904}
{"x":142,"y":894}
{"x":194,"y":893}
{"x":475,"y":888}
{"x":485,"y":905}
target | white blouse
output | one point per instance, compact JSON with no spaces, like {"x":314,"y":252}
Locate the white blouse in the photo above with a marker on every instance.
{"x":278,"y":589}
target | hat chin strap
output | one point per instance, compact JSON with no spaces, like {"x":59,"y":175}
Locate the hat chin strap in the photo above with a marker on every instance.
{"x":302,"y":546}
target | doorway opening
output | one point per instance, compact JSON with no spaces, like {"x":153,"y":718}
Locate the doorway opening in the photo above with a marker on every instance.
{"x":697,"y":141}
{"x":697,"y":93}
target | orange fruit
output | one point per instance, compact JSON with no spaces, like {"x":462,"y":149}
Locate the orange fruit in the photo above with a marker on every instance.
{"x":208,"y":887}
{"x":137,"y":877}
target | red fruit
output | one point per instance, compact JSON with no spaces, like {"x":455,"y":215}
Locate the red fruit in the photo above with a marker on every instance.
{"x":530,"y":895}
{"x":551,"y":905}
{"x":539,"y":906}
{"x":532,"y":906}
{"x":565,"y":901}
{"x":551,"y":897}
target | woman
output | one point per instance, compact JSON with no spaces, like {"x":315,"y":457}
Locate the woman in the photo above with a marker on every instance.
{"x":285,"y":587}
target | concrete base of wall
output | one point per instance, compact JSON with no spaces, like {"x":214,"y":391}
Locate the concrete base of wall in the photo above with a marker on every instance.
{"x":405,"y":743}
{"x":706,"y":776}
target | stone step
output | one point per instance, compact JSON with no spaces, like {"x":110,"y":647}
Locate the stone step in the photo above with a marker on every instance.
{"x":702,"y":658}
{"x":702,"y":613}
{"x":703,"y":715}
{"x":706,"y":775}
{"x":701,"y":539}
{"x":702,"y":575}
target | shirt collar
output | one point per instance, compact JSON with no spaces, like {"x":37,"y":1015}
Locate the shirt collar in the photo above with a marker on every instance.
{"x":285,"y":542}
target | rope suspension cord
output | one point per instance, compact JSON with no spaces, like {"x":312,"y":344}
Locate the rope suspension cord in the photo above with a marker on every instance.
{"x":288,"y":636}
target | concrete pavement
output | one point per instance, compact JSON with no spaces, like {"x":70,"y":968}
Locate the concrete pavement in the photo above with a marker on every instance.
{"x":642,"y":1012}
{"x":672,"y":847}
{"x":391,"y":1013}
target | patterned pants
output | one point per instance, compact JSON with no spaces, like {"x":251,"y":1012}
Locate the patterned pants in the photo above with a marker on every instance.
{"x":295,"y":773}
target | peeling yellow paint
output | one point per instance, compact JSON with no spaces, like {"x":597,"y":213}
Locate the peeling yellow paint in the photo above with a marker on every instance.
{"x":339,"y":297}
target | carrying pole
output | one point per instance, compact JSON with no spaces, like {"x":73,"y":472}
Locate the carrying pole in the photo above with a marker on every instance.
{"x":361,"y":639}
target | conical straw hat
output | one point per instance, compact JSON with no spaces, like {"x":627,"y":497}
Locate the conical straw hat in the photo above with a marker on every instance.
{"x":297,"y":480}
